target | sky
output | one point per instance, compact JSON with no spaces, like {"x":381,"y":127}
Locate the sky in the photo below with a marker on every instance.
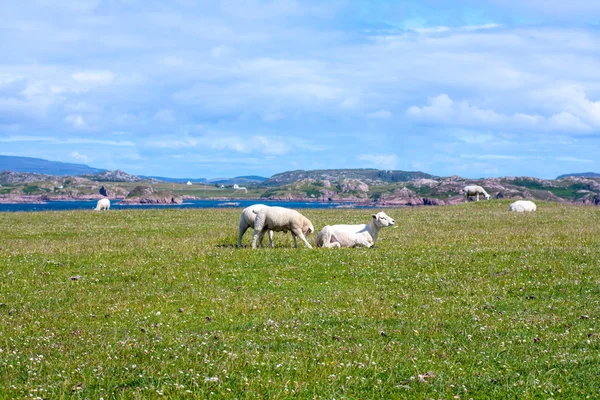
{"x":224,"y":88}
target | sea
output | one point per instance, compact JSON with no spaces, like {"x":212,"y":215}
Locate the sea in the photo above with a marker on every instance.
{"x":115,"y":205}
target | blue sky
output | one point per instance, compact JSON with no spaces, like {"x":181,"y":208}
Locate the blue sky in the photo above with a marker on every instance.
{"x":210,"y":89}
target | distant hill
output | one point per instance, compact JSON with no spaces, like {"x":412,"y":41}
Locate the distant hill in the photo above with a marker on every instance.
{"x":580,"y":175}
{"x":46,"y":167}
{"x":367,"y":174}
{"x":240,"y":180}
{"x":173,"y":180}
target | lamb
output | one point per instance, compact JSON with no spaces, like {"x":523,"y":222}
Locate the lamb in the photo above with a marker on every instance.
{"x":361,"y":235}
{"x":281,"y":219}
{"x":247,"y":221}
{"x":475,"y":190}
{"x":103,"y":204}
{"x":522,"y":206}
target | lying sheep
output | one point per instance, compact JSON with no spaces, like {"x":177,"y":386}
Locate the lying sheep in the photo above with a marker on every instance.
{"x":281,"y":219}
{"x":247,"y":221}
{"x":475,"y":190}
{"x":103,"y":204}
{"x":361,"y":235}
{"x":522,"y":206}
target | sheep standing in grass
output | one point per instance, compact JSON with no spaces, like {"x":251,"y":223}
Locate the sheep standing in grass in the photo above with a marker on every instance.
{"x":247,"y":221}
{"x":475,"y":190}
{"x":281,"y":219}
{"x":522,"y":206}
{"x":103,"y":204}
{"x":361,"y":235}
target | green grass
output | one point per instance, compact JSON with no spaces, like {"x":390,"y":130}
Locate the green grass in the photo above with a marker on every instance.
{"x":466,"y":301}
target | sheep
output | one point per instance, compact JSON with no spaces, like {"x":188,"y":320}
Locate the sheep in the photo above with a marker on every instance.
{"x":281,"y":219}
{"x":361,"y":235}
{"x":103,"y":204}
{"x":475,"y":190}
{"x":522,"y":206}
{"x":247,"y":221}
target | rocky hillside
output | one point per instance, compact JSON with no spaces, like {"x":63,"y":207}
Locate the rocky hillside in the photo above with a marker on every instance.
{"x":369,"y":176}
{"x":116,"y":176}
{"x":147,"y":195}
{"x":436,"y":191}
{"x":365,"y":186}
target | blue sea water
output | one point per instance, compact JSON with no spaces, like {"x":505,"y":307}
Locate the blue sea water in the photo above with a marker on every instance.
{"x":115,"y":205}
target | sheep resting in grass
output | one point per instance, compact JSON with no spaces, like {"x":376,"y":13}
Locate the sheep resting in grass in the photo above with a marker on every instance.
{"x":281,"y":219}
{"x":475,"y":190}
{"x":247,"y":221}
{"x":522,"y":206}
{"x":361,"y":235}
{"x":103,"y":204}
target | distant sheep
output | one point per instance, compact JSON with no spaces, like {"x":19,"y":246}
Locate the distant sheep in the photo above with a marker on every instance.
{"x":103,"y":204}
{"x":475,"y":190}
{"x":247,"y":221}
{"x":281,"y":219}
{"x":522,"y":206}
{"x":361,"y":235}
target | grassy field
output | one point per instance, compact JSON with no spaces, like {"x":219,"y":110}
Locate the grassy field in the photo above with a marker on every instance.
{"x":466,"y":301}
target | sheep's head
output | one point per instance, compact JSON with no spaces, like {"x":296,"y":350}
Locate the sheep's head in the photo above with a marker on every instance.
{"x":382,"y":219}
{"x":307,"y":227}
{"x":487,"y":196}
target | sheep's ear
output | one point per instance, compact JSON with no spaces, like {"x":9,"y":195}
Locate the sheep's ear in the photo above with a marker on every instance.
{"x":374,"y":215}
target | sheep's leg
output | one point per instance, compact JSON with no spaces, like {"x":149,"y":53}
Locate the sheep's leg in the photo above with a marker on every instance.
{"x":327,"y":240}
{"x":243,"y":228}
{"x":477,"y":197}
{"x":271,"y":238}
{"x":298,"y":233}
{"x":261,"y":236}
{"x":254,"y":238}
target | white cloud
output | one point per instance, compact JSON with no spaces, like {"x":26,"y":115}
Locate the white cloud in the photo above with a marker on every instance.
{"x":581,"y":118}
{"x":574,"y":159}
{"x":381,"y":161}
{"x":79,"y":157}
{"x":76,"y":121}
{"x":251,"y":144}
{"x":25,"y":138}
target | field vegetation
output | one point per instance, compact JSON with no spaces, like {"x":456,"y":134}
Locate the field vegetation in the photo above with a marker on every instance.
{"x":466,"y":301}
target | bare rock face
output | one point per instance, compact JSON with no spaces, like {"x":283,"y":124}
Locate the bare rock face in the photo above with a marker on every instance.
{"x":147,"y":195}
{"x":353,"y":185}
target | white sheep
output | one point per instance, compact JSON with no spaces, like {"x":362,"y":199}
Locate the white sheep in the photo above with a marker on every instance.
{"x":103,"y":204}
{"x":522,"y":206}
{"x":475,"y":190}
{"x":361,"y":235}
{"x":281,"y":219}
{"x":247,"y":221}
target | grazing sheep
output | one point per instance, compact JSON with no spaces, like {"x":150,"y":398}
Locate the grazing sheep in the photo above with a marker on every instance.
{"x":103,"y":204}
{"x":281,"y":219}
{"x":522,"y":206}
{"x":247,"y":221}
{"x":361,"y":235}
{"x":475,"y":190}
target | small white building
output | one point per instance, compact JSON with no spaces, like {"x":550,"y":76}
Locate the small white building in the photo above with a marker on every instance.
{"x":236,"y":187}
{"x":189,"y":183}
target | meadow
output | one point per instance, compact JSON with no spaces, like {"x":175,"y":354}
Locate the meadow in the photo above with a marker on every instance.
{"x":466,"y":301}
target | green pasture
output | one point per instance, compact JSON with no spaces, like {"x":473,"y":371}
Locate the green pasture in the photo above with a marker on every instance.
{"x":466,"y":301}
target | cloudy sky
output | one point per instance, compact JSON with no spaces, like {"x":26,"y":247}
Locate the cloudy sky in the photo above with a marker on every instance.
{"x":221,"y":88}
